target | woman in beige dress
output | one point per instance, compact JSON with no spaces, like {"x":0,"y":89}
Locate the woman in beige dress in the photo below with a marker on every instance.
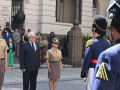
{"x":54,"y":64}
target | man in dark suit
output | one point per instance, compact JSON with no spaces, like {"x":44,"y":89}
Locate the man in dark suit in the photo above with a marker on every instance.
{"x":30,"y":62}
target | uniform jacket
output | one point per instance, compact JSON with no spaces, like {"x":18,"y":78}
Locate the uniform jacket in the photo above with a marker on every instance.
{"x":13,"y":48}
{"x":3,"y":48}
{"x":29,"y":59}
{"x":93,"y":49}
{"x":109,"y":65}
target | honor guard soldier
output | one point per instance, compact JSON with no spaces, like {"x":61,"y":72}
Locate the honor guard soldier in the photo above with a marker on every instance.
{"x":93,"y":48}
{"x":54,"y":63}
{"x":107,"y":71}
{"x":3,"y":58}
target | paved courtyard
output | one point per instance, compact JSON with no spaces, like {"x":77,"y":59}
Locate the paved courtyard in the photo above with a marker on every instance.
{"x":70,"y":80}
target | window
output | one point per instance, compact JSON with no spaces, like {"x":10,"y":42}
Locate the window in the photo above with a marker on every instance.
{"x":95,"y":8}
{"x":16,"y":6}
{"x":66,"y":9}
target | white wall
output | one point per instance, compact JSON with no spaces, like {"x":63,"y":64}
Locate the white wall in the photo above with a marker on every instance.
{"x":31,"y":10}
{"x":86,"y":16}
{"x":40,"y":15}
{"x":5,"y":12}
{"x":103,"y":6}
{"x":49,"y":20}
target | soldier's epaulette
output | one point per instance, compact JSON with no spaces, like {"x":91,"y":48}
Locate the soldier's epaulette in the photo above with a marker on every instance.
{"x":89,"y":42}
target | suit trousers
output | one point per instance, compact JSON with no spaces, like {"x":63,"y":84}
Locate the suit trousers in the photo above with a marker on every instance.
{"x":30,"y":77}
{"x":1,"y":73}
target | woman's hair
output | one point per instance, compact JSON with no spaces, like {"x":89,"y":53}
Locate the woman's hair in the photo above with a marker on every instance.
{"x":11,"y":39}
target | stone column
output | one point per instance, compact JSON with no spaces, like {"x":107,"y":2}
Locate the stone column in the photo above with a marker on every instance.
{"x":75,"y":40}
{"x":77,"y":9}
{"x":75,"y":45}
{"x":58,"y":10}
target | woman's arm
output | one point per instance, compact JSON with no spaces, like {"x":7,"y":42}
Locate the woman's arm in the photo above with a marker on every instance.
{"x":47,"y":62}
{"x":5,"y":60}
{"x":61,"y":64}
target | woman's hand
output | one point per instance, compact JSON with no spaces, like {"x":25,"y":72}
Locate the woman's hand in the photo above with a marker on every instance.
{"x":49,"y":70}
{"x":5,"y":68}
{"x":14,"y":53}
{"x":23,"y":70}
{"x":61,"y":67}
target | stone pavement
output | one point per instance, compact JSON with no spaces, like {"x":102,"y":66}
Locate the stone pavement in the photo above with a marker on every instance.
{"x":70,"y":79}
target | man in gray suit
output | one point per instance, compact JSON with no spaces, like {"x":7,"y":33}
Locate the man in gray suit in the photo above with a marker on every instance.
{"x":16,"y":40}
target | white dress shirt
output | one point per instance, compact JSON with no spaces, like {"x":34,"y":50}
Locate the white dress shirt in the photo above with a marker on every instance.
{"x":33,"y":44}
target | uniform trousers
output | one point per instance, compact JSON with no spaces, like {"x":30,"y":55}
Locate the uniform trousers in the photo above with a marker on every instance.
{"x":1,"y":73}
{"x":30,"y":77}
{"x":90,"y":78}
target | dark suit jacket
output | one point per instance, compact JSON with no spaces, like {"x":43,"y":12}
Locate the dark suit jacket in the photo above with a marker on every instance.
{"x":7,"y":37}
{"x":13,"y":48}
{"x":29,"y":59}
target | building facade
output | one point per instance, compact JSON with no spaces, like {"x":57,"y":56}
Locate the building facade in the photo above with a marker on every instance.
{"x":53,"y":15}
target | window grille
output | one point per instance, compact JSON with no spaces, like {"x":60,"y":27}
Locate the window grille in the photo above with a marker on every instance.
{"x":16,"y":6}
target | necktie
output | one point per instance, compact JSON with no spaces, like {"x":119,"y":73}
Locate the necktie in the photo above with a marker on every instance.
{"x":33,"y":47}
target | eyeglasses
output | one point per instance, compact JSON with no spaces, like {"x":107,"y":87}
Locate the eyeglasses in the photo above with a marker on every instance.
{"x":56,"y":43}
{"x":32,"y":37}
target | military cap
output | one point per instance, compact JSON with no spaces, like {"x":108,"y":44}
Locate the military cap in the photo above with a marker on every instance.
{"x":55,"y":40}
{"x":7,"y":24}
{"x":114,"y":13}
{"x":99,"y":25}
{"x":38,"y":32}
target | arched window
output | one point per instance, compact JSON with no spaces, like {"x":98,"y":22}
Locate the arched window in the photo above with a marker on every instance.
{"x":95,"y":8}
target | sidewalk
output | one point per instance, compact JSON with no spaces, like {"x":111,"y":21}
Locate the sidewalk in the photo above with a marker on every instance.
{"x":17,"y":66}
{"x":70,"y":79}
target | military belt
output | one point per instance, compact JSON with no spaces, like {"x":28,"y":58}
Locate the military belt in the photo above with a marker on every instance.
{"x":93,"y":61}
{"x":55,"y":61}
{"x":2,"y":59}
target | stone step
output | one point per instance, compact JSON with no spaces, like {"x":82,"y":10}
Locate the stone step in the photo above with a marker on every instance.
{"x":16,"y":60}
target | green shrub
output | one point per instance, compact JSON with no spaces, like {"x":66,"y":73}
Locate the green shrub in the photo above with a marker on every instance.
{"x":63,"y":46}
{"x":84,"y":40}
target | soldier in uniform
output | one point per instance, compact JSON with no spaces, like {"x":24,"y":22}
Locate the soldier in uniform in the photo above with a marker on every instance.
{"x":93,"y":48}
{"x":3,"y":58}
{"x":54,"y":64}
{"x":107,"y":71}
